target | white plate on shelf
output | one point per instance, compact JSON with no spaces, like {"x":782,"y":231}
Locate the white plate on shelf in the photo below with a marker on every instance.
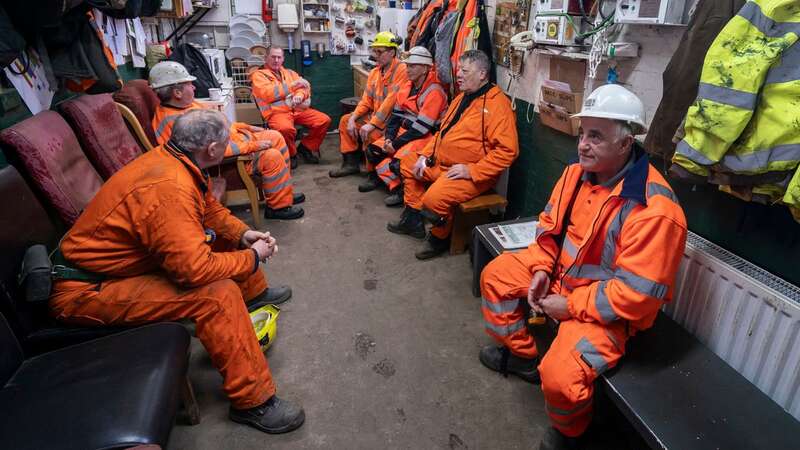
{"x":241,"y":41}
{"x":237,"y":52}
{"x":254,"y":60}
{"x":241,"y":27}
{"x":239,"y":18}
{"x":257,"y":25}
{"x":249,"y":35}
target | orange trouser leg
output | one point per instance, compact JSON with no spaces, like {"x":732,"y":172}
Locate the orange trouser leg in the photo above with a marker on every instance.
{"x":278,"y":142}
{"x":444,"y":194}
{"x":276,"y":178}
{"x":504,"y":286}
{"x":413,"y":189}
{"x":391,"y":179}
{"x":317,"y":123}
{"x":283,"y":122}
{"x":347,"y":143}
{"x":580,"y":352}
{"x":218,"y":309}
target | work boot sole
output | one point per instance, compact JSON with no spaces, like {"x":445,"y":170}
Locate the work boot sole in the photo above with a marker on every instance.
{"x":392,"y":201}
{"x":367,"y":187}
{"x":530,"y":377}
{"x":422,"y":255}
{"x":343,"y":172}
{"x":291,"y":426}
{"x":418,"y":234}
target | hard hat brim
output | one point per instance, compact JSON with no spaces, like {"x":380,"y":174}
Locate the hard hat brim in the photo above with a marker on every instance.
{"x":641,"y":128}
{"x":182,"y":80}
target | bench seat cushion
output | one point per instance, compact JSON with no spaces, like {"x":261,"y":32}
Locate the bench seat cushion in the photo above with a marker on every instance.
{"x":120,"y":389}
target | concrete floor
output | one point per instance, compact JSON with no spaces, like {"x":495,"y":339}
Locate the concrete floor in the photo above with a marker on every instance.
{"x":379,"y":348}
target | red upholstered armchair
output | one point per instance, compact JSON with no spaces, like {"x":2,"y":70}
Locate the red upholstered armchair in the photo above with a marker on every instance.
{"x":140,"y":102}
{"x":45,"y":148}
{"x":101,"y":132}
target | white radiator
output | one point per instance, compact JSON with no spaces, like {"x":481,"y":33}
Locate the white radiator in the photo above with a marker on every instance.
{"x":747,"y":316}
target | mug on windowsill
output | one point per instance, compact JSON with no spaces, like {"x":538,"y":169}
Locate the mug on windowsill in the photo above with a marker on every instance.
{"x":215,"y":94}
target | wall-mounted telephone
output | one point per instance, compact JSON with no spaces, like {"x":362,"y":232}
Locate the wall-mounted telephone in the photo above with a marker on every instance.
{"x":522,"y":41}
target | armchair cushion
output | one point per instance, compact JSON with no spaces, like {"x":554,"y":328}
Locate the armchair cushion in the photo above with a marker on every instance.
{"x":142,"y":101}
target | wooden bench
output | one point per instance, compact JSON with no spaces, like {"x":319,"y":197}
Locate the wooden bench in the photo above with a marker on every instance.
{"x":675,"y":392}
{"x":478,"y":211}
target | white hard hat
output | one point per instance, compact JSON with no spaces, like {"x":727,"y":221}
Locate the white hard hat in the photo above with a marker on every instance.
{"x":419,"y":55}
{"x":613,"y":101}
{"x":167,"y":73}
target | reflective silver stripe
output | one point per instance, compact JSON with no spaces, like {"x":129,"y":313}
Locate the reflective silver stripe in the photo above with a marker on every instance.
{"x":277,"y":177}
{"x":507,"y":330}
{"x":424,"y":95}
{"x":539,"y":230}
{"x":654,"y":189}
{"x":276,"y":92}
{"x":284,"y":151}
{"x":592,"y":356}
{"x":612,"y":234}
{"x":166,"y":121}
{"x":277,"y":188}
{"x":397,"y":110}
{"x":385,"y":92}
{"x":753,"y":14}
{"x":421,"y":128}
{"x":380,"y":116}
{"x":590,"y":272}
{"x":278,"y":103}
{"x":547,"y":208}
{"x":501,"y":306}
{"x":789,"y":68}
{"x":285,"y":88}
{"x":727,"y":96}
{"x":370,"y":93}
{"x":641,"y":284}
{"x":686,"y":150}
{"x":263,"y":104}
{"x":426,"y":120}
{"x":566,"y":412}
{"x":235,"y":149}
{"x":384,"y":172}
{"x":569,"y":247}
{"x":406,"y":116}
{"x":603,"y":305}
{"x":761,"y":159}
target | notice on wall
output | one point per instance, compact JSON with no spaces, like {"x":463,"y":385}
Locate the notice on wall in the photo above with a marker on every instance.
{"x":28,"y":77}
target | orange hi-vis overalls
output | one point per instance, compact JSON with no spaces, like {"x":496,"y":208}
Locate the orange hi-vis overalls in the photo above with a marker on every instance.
{"x":415,"y":117}
{"x":272,"y":164}
{"x":375,"y":105}
{"x":483,"y":137}
{"x":271,"y":90}
{"x":144,"y":232}
{"x":623,"y":244}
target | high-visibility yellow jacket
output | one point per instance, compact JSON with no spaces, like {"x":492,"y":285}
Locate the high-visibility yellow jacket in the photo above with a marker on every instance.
{"x":746,"y":118}
{"x":378,"y":98}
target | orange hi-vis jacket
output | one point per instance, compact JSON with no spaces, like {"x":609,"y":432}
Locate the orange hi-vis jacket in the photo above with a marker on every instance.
{"x":416,"y":115}
{"x":624,"y":267}
{"x":272,"y":89}
{"x":241,"y":143}
{"x":484,"y":136}
{"x":379,"y":95}
{"x":151,"y":216}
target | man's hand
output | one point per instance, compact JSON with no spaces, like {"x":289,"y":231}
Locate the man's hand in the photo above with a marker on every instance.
{"x":351,"y":127}
{"x":251,"y":236}
{"x":459,"y":172}
{"x":365,"y":130}
{"x":555,"y":306}
{"x":538,"y":289}
{"x":388,"y":148}
{"x":297,"y":99}
{"x":419,"y":167}
{"x":263,"y":249}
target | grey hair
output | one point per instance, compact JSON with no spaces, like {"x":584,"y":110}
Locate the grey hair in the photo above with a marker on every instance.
{"x":477,"y":57}
{"x":273,"y":47}
{"x":198,"y":128}
{"x":164,"y":93}
{"x":624,"y":129}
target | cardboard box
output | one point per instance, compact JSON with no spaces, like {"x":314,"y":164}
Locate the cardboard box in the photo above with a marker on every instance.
{"x":557,"y":118}
{"x":571,"y":101}
{"x":568,"y":71}
{"x":248,"y":113}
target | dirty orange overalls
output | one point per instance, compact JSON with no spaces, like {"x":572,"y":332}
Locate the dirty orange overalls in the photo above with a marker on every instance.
{"x":271,"y":164}
{"x":144,"y":234}
{"x":617,"y":267}
{"x":271,"y":89}
{"x":375,"y":105}
{"x":483,"y":137}
{"x":410,"y":127}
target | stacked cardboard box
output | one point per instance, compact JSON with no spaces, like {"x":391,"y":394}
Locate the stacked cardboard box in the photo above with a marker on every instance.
{"x":562,"y":95}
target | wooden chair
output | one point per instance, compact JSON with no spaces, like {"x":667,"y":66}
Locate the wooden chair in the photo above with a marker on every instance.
{"x":480,"y":210}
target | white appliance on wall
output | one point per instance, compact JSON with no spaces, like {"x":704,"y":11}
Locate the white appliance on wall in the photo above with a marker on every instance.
{"x":653,"y":12}
{"x":216,"y":62}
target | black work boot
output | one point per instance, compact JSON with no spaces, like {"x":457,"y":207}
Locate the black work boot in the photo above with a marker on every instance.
{"x":554,"y":440}
{"x":298,"y":197}
{"x":308,"y":156}
{"x":433,"y":247}
{"x":273,"y":295}
{"x":435,"y":219}
{"x":370,"y":184}
{"x":349,"y":165}
{"x":288,"y":213}
{"x":274,"y":416}
{"x":395,"y":198}
{"x":500,"y":359}
{"x":410,"y":223}
{"x":293,"y":162}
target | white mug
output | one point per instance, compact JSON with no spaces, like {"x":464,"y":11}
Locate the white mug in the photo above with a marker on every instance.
{"x":215,"y":94}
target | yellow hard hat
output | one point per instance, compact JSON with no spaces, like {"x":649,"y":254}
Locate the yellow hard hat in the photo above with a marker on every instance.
{"x":265,"y":324}
{"x":386,"y":39}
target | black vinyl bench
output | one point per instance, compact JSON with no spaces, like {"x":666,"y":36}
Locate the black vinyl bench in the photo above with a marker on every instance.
{"x":674,"y":390}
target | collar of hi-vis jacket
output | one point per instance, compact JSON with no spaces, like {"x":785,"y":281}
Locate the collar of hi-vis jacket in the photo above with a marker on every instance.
{"x":187,"y":159}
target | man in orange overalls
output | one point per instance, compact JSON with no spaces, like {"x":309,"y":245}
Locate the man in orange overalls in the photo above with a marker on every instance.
{"x":284,"y":99}
{"x":173,"y":85}
{"x":477,"y":140}
{"x":608,"y":246}
{"x":366,"y":124}
{"x":419,"y":107}
{"x":154,"y":245}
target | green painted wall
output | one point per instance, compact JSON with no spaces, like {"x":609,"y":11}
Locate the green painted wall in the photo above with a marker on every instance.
{"x":331,"y":80}
{"x":765,"y":235}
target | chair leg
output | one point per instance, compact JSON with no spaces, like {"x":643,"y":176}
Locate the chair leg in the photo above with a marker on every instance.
{"x":190,"y":402}
{"x":463,"y":223}
{"x":252,"y":192}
